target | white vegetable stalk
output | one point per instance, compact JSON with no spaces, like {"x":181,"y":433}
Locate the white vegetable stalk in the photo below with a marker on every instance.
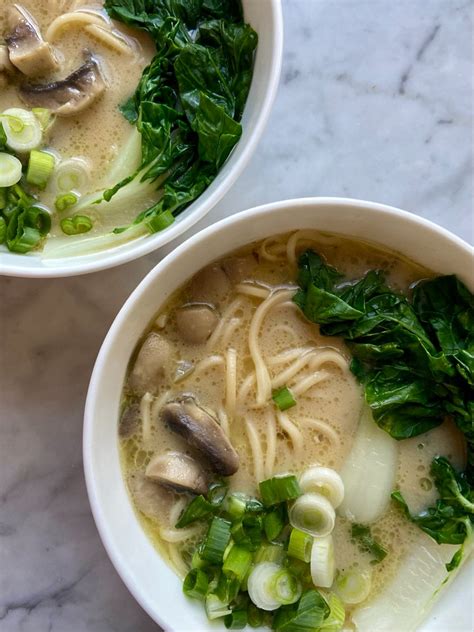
{"x":323,"y":562}
{"x":10,"y":170}
{"x":369,"y":472}
{"x":313,"y":514}
{"x":22,"y":129}
{"x":405,"y":601}
{"x":324,"y":481}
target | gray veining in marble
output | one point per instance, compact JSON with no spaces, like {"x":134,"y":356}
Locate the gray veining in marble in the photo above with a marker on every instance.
{"x":375,"y":102}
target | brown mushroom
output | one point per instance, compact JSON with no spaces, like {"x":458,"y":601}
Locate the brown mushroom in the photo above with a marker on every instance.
{"x":151,"y":364}
{"x":6,"y":68}
{"x":129,"y":421}
{"x":179,"y":472}
{"x":26,"y":47}
{"x":149,"y":497}
{"x":209,"y":285}
{"x":196,"y":322}
{"x":70,"y":95}
{"x":202,"y":431}
{"x":239,"y":268}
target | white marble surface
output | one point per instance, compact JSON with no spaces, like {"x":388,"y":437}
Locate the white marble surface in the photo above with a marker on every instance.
{"x":375,"y":102}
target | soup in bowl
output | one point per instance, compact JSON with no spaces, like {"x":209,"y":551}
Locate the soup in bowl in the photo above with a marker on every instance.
{"x":120,"y":127}
{"x":277,"y":427}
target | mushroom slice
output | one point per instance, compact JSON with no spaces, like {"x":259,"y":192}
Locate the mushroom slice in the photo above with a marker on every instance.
{"x":26,"y":47}
{"x":6,"y":68}
{"x":209,"y":285}
{"x":196,"y":322}
{"x":203,"y":432}
{"x":70,"y":95}
{"x":129,"y":421}
{"x":177,"y":471}
{"x":151,"y":364}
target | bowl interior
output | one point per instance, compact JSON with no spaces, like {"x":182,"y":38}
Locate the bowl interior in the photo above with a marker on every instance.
{"x":147,"y":576}
{"x":266,"y":18}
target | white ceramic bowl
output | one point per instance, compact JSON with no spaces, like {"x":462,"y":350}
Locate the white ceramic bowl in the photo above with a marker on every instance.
{"x":150,"y":580}
{"x":265,"y":16}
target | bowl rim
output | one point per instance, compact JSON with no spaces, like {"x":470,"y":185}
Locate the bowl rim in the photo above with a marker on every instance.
{"x":117,"y":256}
{"x":104,"y":527}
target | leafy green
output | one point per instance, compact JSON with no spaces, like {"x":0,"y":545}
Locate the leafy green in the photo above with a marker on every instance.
{"x":415,"y":357}
{"x":368,"y":543}
{"x":307,"y":615}
{"x":189,"y":101}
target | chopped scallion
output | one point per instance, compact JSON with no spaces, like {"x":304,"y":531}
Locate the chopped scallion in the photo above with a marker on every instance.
{"x":238,"y":562}
{"x":155,"y":223}
{"x":299,"y":545}
{"x":216,"y":541}
{"x":248,"y":531}
{"x":286,"y":587}
{"x":283,"y":398}
{"x":215,"y":607}
{"x":270,"y":553}
{"x":278,"y":489}
{"x":196,"y":584}
{"x":274,"y":522}
{"x":65,"y":201}
{"x":236,"y":620}
{"x":40,"y":167}
{"x":236,"y":505}
{"x":76,"y":225}
{"x":10,"y":170}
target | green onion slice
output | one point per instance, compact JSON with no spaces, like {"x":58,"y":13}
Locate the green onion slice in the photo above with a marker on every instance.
{"x":275,"y":521}
{"x":40,"y":167}
{"x":216,"y":541}
{"x":236,"y":620}
{"x":65,"y":201}
{"x":22,"y":129}
{"x":10,"y":170}
{"x":238,"y":562}
{"x":197,"y":509}
{"x":283,"y":398}
{"x":285,"y":587}
{"x":279,"y":489}
{"x":299,"y":545}
{"x":313,"y":514}
{"x":270,"y":553}
{"x":155,"y":223}
{"x":3,"y":230}
{"x":195,"y":584}
{"x":76,"y":225}
{"x":215,"y":607}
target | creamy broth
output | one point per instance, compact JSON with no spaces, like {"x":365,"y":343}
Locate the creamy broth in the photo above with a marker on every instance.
{"x":318,"y":430}
{"x":99,"y":133}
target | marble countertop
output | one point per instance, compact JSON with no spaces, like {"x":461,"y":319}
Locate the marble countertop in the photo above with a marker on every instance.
{"x":375,"y":102}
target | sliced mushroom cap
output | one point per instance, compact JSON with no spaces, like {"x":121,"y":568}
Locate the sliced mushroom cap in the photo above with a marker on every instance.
{"x":179,"y":472}
{"x":239,"y":268}
{"x":196,"y":322}
{"x":129,"y":421}
{"x":209,"y":285}
{"x":149,"y":497}
{"x":67,"y":96}
{"x":202,"y":431}
{"x":6,"y":68}
{"x":26,"y":47}
{"x":151,"y":364}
